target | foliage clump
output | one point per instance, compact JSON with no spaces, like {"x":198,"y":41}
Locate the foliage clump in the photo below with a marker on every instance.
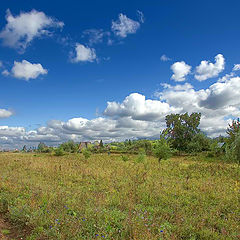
{"x":69,"y":146}
{"x":162,"y":149}
{"x":233,"y":150}
{"x":199,"y":143}
{"x":59,"y":152}
{"x":233,"y":142}
{"x":86,"y":153}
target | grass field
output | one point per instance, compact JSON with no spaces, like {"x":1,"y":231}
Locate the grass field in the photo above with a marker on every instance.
{"x":105,"y":197}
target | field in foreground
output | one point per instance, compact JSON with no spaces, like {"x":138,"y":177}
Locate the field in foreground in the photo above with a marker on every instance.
{"x":105,"y":197}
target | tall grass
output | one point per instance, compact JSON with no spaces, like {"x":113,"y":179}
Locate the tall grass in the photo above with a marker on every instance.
{"x":104,"y":197}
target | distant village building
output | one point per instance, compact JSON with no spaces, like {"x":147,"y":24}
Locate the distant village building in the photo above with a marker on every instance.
{"x":96,"y":144}
{"x":83,"y":145}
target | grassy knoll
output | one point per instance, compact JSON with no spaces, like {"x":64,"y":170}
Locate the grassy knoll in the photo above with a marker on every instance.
{"x":105,"y":197}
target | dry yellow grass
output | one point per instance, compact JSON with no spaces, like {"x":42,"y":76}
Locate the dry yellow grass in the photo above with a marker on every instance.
{"x":104,"y":197}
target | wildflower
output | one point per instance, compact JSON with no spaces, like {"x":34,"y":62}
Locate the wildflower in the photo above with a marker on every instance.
{"x":57,"y":220}
{"x":96,"y":235}
{"x":103,"y":236}
{"x":161,"y":231}
{"x":84,"y":219}
{"x":50,"y":227}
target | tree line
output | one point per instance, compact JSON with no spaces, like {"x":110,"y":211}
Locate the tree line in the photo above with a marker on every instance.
{"x":181,"y":136}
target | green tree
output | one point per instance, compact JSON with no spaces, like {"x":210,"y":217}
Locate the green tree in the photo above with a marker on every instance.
{"x":233,"y":130}
{"x":41,"y":147}
{"x":24,"y":149}
{"x":181,"y":128}
{"x":233,"y":150}
{"x":101,"y":144}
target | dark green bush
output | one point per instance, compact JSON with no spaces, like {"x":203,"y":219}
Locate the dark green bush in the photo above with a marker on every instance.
{"x":59,"y":152}
{"x":86,"y":153}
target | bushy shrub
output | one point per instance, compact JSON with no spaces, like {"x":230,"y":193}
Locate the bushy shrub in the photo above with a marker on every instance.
{"x":162,"y":149}
{"x":47,"y":150}
{"x":69,"y":146}
{"x":86,"y":153}
{"x":124,"y":158}
{"x":233,"y":150}
{"x":59,"y":152}
{"x":215,"y":149}
{"x":199,"y":143}
{"x":41,"y":147}
{"x":138,"y":145}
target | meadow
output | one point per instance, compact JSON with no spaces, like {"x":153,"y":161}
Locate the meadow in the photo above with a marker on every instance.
{"x":115,"y":197}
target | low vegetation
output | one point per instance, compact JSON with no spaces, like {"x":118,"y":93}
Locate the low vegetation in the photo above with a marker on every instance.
{"x":105,"y":196}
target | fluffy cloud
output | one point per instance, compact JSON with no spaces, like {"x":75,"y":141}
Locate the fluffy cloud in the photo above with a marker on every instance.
{"x":236,"y":67}
{"x":223,"y":94}
{"x":138,"y":108}
{"x":180,"y":71}
{"x":26,"y":70}
{"x":165,"y":58}
{"x":22,"y":29}
{"x":84,"y":54}
{"x":124,"y":26}
{"x":5,"y":113}
{"x":209,"y":70}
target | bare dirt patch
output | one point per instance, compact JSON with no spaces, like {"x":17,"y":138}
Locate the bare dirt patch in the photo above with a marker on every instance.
{"x":8,"y":231}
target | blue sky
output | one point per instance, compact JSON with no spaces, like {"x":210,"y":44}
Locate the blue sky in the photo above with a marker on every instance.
{"x":53,"y":69}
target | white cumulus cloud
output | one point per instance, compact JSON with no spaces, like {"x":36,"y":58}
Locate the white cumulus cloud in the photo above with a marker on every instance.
{"x":180,"y":71}
{"x":223,"y":94}
{"x":124,"y":26}
{"x":207,"y":69}
{"x":22,"y":29}
{"x":5,"y":113}
{"x":84,"y":54}
{"x":139,"y":108}
{"x":26,"y":70}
